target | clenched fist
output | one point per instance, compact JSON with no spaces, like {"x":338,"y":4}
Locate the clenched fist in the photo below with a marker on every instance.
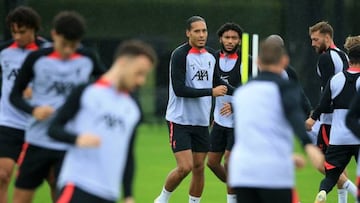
{"x":88,"y":140}
{"x":42,"y":112}
{"x":220,"y":90}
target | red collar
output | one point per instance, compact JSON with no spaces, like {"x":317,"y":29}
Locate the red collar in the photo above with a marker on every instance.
{"x":56,"y":55}
{"x":102,"y":82}
{"x":194,"y":50}
{"x":354,"y":69}
{"x":32,"y":46}
{"x":230,"y":56}
{"x":332,"y":46}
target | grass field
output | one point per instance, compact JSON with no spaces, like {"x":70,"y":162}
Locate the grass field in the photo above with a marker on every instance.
{"x":154,"y":160}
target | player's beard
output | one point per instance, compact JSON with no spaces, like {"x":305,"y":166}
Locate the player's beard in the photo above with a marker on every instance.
{"x":229,"y":52}
{"x":322,"y":48}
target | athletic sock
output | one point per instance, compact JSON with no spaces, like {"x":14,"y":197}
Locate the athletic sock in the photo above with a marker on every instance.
{"x":231,"y":198}
{"x":342,"y":195}
{"x":350,"y":187}
{"x":194,"y":199}
{"x":164,"y":196}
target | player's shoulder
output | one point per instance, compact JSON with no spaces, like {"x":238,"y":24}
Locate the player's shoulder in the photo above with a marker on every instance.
{"x":42,"y":42}
{"x":291,"y":73}
{"x":211,"y":50}
{"x":184,"y":47}
{"x":325,"y":55}
{"x":6,"y":44}
{"x":86,"y":51}
{"x":181,"y":51}
{"x":35,"y":55}
{"x":41,"y":52}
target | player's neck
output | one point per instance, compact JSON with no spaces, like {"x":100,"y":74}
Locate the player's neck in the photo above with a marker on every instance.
{"x":331,"y":44}
{"x":355,"y":66}
{"x":112,"y":76}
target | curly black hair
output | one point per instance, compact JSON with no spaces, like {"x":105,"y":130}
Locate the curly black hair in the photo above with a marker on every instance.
{"x":230,"y":26}
{"x":70,"y":25}
{"x":24,"y":16}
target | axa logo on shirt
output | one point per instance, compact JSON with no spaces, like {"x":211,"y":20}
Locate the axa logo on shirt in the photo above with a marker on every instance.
{"x":61,"y":88}
{"x":12,"y":74}
{"x":201,"y":75}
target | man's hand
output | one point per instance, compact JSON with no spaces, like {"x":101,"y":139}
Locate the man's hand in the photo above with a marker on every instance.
{"x":309,"y":123}
{"x":315,"y":155}
{"x":220,"y":90}
{"x":226,"y":110}
{"x":27,"y":93}
{"x":88,"y":140}
{"x":299,"y":161}
{"x":42,"y":112}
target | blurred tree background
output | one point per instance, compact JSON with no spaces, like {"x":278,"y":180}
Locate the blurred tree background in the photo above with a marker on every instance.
{"x":162,"y":23}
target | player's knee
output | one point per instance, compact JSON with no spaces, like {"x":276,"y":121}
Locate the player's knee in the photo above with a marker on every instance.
{"x":212,"y":163}
{"x":184,"y":170}
{"x":198,"y":167}
{"x":320,"y":167}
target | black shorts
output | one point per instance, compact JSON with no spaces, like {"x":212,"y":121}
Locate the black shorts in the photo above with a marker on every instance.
{"x":36,"y":164}
{"x":339,"y":156}
{"x":72,"y":194}
{"x":323,"y":137}
{"x":261,"y":195}
{"x":184,"y":137}
{"x":221,"y":138}
{"x":11,"y":142}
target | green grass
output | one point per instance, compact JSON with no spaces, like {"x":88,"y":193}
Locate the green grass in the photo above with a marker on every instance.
{"x":155,"y":159}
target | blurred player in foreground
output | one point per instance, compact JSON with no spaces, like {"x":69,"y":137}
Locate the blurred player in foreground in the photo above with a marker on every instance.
{"x":103,"y":118}
{"x":257,"y":120}
{"x":53,"y":73}
{"x":24,"y":23}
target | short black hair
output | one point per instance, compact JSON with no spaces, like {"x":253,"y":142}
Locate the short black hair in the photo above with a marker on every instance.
{"x":69,"y":24}
{"x":193,"y":19}
{"x":24,"y":16}
{"x":136,"y":48}
{"x":230,"y":26}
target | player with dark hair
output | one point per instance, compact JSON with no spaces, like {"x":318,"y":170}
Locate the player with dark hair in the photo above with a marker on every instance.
{"x":53,"y":73}
{"x":281,"y":116}
{"x":338,"y":94}
{"x":103,"y":118}
{"x":228,"y":63}
{"x":353,"y":115}
{"x":331,"y":61}
{"x":24,"y":23}
{"x":193,"y":80}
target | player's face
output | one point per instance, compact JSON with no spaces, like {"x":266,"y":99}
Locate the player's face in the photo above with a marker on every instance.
{"x":197,"y":34}
{"x":318,"y":41}
{"x":22,"y":35}
{"x":230,"y":40}
{"x":64,"y":46}
{"x":136,"y":71}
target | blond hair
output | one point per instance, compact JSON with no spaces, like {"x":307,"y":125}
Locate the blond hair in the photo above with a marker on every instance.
{"x":323,"y":27}
{"x":351,"y":42}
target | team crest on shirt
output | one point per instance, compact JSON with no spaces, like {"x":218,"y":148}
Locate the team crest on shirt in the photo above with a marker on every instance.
{"x":225,"y":78}
{"x":201,"y":75}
